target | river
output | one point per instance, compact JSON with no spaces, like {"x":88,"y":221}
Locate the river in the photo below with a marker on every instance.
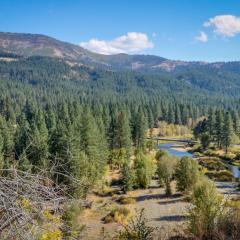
{"x":171,"y":148}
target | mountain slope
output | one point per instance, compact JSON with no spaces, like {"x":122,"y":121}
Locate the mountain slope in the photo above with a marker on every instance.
{"x":41,"y":45}
{"x":215,"y":78}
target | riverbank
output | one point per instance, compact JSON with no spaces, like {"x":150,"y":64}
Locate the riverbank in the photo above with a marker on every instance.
{"x":214,"y":167}
{"x":181,"y":148}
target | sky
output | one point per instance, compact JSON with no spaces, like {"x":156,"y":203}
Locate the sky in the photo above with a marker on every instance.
{"x":205,"y":30}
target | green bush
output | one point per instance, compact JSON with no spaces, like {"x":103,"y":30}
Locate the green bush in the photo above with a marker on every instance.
{"x":221,"y":176}
{"x":210,"y":216}
{"x":212,"y":163}
{"x":137,"y":229}
{"x":206,"y":210}
{"x":71,"y":228}
{"x":159,"y":154}
{"x":118,"y":214}
{"x":210,"y":152}
{"x":166,"y":166}
{"x":127,"y":200}
{"x":196,"y":148}
{"x":144,"y":170}
{"x":187,"y":174}
{"x":229,"y":156}
{"x":197,"y":154}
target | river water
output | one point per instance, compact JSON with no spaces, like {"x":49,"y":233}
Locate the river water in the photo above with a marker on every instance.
{"x":172,"y":150}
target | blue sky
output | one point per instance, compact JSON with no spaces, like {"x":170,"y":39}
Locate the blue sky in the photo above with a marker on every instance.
{"x":207,"y":30}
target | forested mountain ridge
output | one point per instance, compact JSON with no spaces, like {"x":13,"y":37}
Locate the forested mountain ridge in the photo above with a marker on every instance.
{"x":40,"y":45}
{"x":40,"y":64}
{"x":57,"y":76}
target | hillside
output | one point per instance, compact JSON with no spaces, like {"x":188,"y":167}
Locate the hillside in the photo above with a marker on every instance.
{"x":41,"y":61}
{"x":40,"y":45}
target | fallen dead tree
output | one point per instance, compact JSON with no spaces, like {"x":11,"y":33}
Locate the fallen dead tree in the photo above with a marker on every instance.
{"x":24,"y":198}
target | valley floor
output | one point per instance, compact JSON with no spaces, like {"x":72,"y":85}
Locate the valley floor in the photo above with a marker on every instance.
{"x":166,"y":214}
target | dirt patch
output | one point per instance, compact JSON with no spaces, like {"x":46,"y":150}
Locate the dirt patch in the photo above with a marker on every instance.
{"x":161,"y":212}
{"x":166,"y":214}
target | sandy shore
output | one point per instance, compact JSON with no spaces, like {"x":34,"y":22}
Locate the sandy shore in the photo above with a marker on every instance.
{"x":180,"y":148}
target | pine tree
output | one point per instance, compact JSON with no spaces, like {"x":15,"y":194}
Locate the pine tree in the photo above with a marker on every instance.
{"x":1,"y":151}
{"x":122,"y":137}
{"x":127,"y":177}
{"x":219,"y":128}
{"x":140,"y":130}
{"x":211,"y":124}
{"x":92,"y":144}
{"x":50,"y":119}
{"x":227,"y":131}
{"x":185,"y":115}
{"x":22,"y":140}
{"x":170,"y":116}
{"x":37,"y":146}
{"x":8,"y":143}
{"x":236,"y":123}
{"x":60,"y":152}
{"x":178,"y":119}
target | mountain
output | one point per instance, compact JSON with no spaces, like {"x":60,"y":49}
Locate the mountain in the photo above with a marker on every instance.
{"x":40,"y":45}
{"x":149,"y":71}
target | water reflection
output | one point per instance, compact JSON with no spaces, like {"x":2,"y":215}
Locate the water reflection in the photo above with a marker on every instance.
{"x":171,"y":148}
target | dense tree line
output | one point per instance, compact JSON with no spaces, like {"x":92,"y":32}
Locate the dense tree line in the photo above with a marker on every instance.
{"x":220,"y":127}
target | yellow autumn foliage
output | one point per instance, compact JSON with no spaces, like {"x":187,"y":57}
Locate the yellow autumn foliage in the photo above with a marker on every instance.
{"x":51,"y":235}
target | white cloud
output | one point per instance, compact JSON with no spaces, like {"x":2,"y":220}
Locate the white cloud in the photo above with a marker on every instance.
{"x":132,"y":42}
{"x":202,"y":37}
{"x":224,"y":25}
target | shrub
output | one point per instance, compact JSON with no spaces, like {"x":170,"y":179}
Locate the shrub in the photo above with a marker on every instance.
{"x":160,"y":153}
{"x":144,"y":170}
{"x":71,"y":228}
{"x":221,"y":176}
{"x":210,"y":152}
{"x":119,"y":215}
{"x":127,"y":200}
{"x":212,"y":163}
{"x":165,"y":170}
{"x":196,"y":148}
{"x":187,"y":174}
{"x":206,"y":210}
{"x":197,"y":154}
{"x":229,"y":156}
{"x":137,"y":229}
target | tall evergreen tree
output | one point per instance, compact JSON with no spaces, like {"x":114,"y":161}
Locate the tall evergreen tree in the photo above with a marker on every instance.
{"x":178,"y":119}
{"x":227,"y":131}
{"x":211,"y":124}
{"x":219,"y":128}
{"x":140,"y":130}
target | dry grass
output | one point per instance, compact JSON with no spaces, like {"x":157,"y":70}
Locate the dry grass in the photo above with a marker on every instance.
{"x":118,"y":214}
{"x":127,"y":200}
